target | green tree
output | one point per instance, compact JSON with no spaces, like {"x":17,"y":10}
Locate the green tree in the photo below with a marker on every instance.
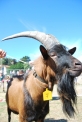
{"x":8,"y":61}
{"x":13,"y":61}
{"x":1,"y":61}
{"x":18,"y":65}
{"x":25,"y":59}
{"x":26,"y":66}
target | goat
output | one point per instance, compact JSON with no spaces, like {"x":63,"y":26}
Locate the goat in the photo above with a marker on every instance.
{"x":56,"y":65}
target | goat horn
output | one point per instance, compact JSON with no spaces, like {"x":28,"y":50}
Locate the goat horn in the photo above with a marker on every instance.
{"x":47,"y":40}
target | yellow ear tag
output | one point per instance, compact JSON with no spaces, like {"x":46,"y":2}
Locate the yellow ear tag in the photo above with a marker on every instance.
{"x":47,"y":95}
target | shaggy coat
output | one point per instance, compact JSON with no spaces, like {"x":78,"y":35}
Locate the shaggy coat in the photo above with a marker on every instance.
{"x":25,"y":93}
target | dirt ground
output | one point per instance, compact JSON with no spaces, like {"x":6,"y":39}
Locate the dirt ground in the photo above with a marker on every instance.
{"x":55,"y":115}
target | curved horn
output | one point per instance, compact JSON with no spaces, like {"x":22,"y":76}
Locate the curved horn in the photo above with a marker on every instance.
{"x":47,"y":40}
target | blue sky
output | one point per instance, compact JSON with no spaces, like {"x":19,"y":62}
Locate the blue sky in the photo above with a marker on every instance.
{"x":62,"y":18}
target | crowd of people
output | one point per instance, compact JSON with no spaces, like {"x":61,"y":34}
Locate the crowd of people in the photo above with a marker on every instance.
{"x":6,"y":79}
{"x":2,"y":55}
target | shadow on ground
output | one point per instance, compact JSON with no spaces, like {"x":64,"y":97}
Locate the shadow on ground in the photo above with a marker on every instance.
{"x":55,"y":98}
{"x":52,"y":120}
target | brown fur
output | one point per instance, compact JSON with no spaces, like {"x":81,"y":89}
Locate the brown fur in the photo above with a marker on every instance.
{"x":25,"y":94}
{"x":15,"y":96}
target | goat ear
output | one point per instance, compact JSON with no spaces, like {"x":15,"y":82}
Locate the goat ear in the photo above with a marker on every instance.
{"x":44,"y":52}
{"x":72,"y":51}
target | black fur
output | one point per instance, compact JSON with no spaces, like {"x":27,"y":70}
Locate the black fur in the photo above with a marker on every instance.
{"x":65,"y":86}
{"x":20,"y":77}
{"x":58,"y":49}
{"x":67,"y":93}
{"x":62,"y":59}
{"x":44,"y":52}
{"x":34,"y":111}
{"x":9,"y":83}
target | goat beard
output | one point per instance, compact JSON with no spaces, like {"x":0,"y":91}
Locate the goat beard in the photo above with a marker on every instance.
{"x":66,"y":91}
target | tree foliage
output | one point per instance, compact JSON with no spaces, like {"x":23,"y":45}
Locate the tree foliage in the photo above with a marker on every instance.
{"x":25,"y":59}
{"x":7,"y":61}
{"x":16,"y":65}
{"x":26,"y":66}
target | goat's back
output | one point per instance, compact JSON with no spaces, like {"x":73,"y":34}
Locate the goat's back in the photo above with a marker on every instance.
{"x":15,"y":89}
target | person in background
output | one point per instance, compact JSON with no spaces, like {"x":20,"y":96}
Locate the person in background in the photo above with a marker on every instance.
{"x":2,"y":53}
{"x":21,"y":72}
{"x":7,"y":79}
{"x":2,"y":80}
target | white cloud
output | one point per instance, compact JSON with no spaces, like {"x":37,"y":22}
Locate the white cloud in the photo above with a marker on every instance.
{"x":35,"y":55}
{"x":32,"y":26}
{"x":44,"y":29}
{"x":27,"y":25}
{"x":80,"y":58}
{"x":69,"y":44}
{"x":72,"y":43}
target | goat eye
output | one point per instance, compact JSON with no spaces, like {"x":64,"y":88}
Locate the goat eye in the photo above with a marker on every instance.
{"x":52,"y":54}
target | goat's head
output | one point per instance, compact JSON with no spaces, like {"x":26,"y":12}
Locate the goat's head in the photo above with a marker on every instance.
{"x":55,"y":50}
{"x":66,"y":67}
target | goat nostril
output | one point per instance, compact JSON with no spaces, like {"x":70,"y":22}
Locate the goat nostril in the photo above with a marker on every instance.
{"x":77,"y":63}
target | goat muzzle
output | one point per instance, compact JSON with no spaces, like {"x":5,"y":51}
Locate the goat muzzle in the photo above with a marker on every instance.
{"x":76,"y":69}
